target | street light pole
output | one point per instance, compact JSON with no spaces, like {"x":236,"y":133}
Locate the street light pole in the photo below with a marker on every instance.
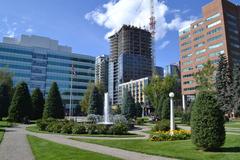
{"x":172,"y":125}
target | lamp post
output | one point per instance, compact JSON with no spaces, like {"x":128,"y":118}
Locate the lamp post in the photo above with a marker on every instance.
{"x":172,"y":125}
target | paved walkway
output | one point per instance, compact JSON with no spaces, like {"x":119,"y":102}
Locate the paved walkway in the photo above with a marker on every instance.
{"x":123,"y":154}
{"x":15,"y":145}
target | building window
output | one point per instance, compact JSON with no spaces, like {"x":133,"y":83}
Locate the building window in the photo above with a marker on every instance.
{"x":188,"y":82}
{"x":187,"y":75}
{"x":214,"y":38}
{"x":215,"y":45}
{"x":187,"y":63}
{"x":187,"y":69}
{"x":189,"y":89}
{"x":214,"y":31}
{"x":201,"y":51}
{"x":200,"y":59}
{"x":200,"y":66}
{"x":187,"y":56}
{"x":214,"y":24}
{"x":199,"y":44}
{"x":199,"y":38}
{"x":199,"y":31}
{"x":213,"y":16}
{"x":186,"y":43}
{"x":186,"y":49}
{"x":185,"y":37}
{"x":216,"y":53}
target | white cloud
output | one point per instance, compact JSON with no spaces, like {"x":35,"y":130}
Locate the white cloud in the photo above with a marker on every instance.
{"x":114,"y":14}
{"x":14,"y":28}
{"x":164,"y":45}
{"x":29,"y":30}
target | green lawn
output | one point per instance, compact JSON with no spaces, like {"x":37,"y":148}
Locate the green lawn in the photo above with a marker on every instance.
{"x":233,"y":124}
{"x":35,"y":129}
{"x":47,"y":150}
{"x":176,"y":149}
{"x":2,"y":125}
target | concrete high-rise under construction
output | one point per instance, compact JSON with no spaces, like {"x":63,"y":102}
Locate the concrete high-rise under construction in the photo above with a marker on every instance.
{"x":130,"y":59}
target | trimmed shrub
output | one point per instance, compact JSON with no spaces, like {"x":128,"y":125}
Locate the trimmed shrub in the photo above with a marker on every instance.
{"x":102,"y":129}
{"x":91,"y":129}
{"x":67,"y":128}
{"x":42,"y":125}
{"x":119,"y":129}
{"x":120,"y":119}
{"x":57,"y":127}
{"x":50,"y":126}
{"x":207,"y":122}
{"x":163,"y":125}
{"x":140,"y":121}
{"x":78,"y":129}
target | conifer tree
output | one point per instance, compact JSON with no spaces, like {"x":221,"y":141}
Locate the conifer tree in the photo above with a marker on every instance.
{"x":5,"y":100}
{"x":93,"y":101}
{"x":128,"y":106}
{"x":38,"y":103}
{"x":224,"y":85}
{"x":236,"y":90}
{"x":21,"y":104}
{"x":207,"y":122}
{"x":53,"y":106}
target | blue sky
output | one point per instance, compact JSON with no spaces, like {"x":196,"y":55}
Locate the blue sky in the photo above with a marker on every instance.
{"x":83,"y":25}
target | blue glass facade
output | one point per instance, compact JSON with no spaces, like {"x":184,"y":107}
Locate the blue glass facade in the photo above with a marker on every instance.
{"x":39,"y":67}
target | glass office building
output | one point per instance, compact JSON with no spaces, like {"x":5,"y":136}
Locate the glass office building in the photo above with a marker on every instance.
{"x":39,"y":61}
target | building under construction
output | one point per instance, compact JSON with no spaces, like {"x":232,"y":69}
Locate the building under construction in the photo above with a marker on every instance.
{"x":130,"y":59}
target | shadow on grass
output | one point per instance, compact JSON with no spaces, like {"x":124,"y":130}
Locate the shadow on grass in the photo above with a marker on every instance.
{"x":230,"y":149}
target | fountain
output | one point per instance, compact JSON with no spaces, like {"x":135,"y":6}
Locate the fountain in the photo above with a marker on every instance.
{"x":106,"y":111}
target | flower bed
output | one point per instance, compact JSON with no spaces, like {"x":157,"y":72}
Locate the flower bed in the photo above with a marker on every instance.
{"x":166,"y":136}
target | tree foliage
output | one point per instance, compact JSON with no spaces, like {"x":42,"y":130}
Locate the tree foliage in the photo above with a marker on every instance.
{"x":236,"y":90}
{"x":5,"y":100}
{"x":207,"y":122}
{"x":21,"y":104}
{"x":54,"y":107}
{"x":224,"y":85}
{"x":205,"y":77}
{"x":96,"y":101}
{"x":166,"y":108}
{"x":6,"y":78}
{"x":37,"y":103}
{"x":128,"y":105}
{"x":158,"y":90}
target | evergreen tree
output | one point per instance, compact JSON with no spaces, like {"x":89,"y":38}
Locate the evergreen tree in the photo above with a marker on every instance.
{"x":224,"y":85}
{"x":204,"y":78}
{"x":93,"y":101}
{"x":100,"y":107}
{"x":128,"y":106}
{"x":236,"y":89}
{"x":207,"y":122}
{"x":166,"y":108}
{"x":21,"y":105}
{"x":37,"y":103}
{"x":84,"y":103}
{"x":5,"y":100}
{"x":54,"y":107}
{"x":138,"y":109}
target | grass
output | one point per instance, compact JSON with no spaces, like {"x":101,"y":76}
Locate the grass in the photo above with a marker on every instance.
{"x":233,"y":124}
{"x":35,"y":129}
{"x":2,"y":125}
{"x":47,"y":150}
{"x":176,"y":149}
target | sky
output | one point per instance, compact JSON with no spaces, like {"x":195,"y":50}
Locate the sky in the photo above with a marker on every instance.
{"x":85,"y":24}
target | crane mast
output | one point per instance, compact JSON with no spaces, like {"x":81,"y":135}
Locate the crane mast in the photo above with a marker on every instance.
{"x":152,"y":26}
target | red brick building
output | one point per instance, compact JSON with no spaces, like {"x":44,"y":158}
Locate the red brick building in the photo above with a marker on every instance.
{"x":217,"y":32}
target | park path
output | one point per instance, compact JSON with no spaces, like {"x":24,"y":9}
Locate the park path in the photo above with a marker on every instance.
{"x":15,"y":145}
{"x":119,"y":153}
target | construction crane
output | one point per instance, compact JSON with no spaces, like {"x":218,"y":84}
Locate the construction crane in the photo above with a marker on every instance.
{"x":152,"y":27}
